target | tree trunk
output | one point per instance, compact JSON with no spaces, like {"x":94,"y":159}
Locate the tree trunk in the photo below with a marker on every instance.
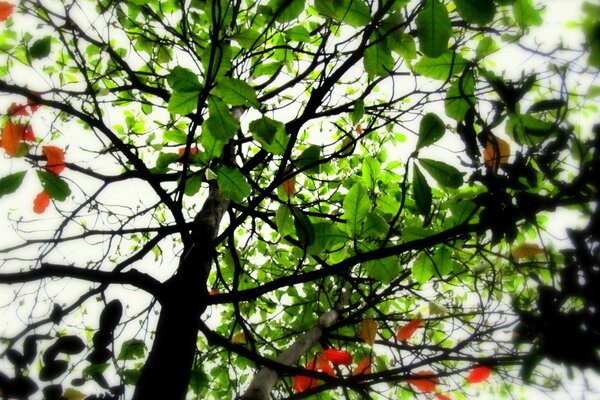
{"x":166,"y":373}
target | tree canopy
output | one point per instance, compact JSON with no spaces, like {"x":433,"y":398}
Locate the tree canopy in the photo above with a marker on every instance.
{"x":295,"y":198}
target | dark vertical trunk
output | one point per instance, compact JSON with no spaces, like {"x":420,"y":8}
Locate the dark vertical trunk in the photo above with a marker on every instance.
{"x":166,"y":373}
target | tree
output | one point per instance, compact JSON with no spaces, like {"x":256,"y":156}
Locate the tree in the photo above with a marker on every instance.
{"x":258,"y":198}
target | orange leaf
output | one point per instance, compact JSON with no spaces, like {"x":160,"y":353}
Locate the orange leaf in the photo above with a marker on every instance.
{"x":289,"y":186}
{"x":6,"y":10}
{"x":368,"y":330}
{"x":41,"y":202}
{"x":496,"y":152}
{"x":193,"y":151}
{"x":440,"y":396}
{"x":338,"y":357}
{"x":363,"y":366}
{"x":325,"y":366}
{"x":479,"y":374}
{"x":526,"y":250}
{"x":239,"y":338}
{"x":405,"y":332}
{"x":55,"y":157}
{"x":12,"y":135}
{"x":359,"y":129}
{"x":425,"y":385}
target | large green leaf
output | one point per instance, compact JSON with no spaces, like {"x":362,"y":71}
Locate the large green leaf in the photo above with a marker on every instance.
{"x":371,"y":171}
{"x":476,"y":11}
{"x":433,"y":28}
{"x":304,"y":228}
{"x":421,"y":191}
{"x":220,"y":123}
{"x":460,"y":96}
{"x":286,"y":10}
{"x":284,"y":220}
{"x":56,"y":187}
{"x":192,"y":185}
{"x":132,"y":349}
{"x":378,"y":60}
{"x":183,"y":80}
{"x":11,"y":182}
{"x":183,"y":102}
{"x":270,"y":134}
{"x":232,"y":184}
{"x":374,"y":226}
{"x":213,"y":147}
{"x":442,"y":68}
{"x":431,"y":129}
{"x":356,"y":207}
{"x":327,"y":237}
{"x":355,"y":13}
{"x":310,"y":155}
{"x":422,"y":269}
{"x":383,"y":270}
{"x":526,"y":14}
{"x":445,"y":175}
{"x":236,"y":92}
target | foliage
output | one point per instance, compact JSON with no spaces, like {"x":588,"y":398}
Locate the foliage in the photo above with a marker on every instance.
{"x":350,"y":197}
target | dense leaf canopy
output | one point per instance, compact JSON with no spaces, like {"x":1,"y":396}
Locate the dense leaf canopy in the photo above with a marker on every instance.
{"x":329,"y":198}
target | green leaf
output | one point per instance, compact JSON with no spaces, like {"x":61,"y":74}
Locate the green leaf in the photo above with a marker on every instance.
{"x":10,"y":183}
{"x":183,"y":103}
{"x":236,"y":92}
{"x":298,"y":33}
{"x":183,"y":80}
{"x":422,"y":269}
{"x":371,"y":171}
{"x":132,"y":349}
{"x":213,"y":147}
{"x":284,"y":220}
{"x":404,"y":45}
{"x":54,"y":185}
{"x":433,"y":28}
{"x":310,"y":155}
{"x":220,"y":123}
{"x":444,"y":174}
{"x":355,"y":13}
{"x":456,"y":104}
{"x":246,"y":38}
{"x":165,"y":159}
{"x":304,"y":228}
{"x":374,"y":226}
{"x":442,"y":67}
{"x":431,"y":129}
{"x":232,"y":184}
{"x":270,"y":134}
{"x":286,"y":10}
{"x":378,"y":60}
{"x":192,"y":185}
{"x":525,"y":14}
{"x":356,"y":207}
{"x":479,"y":12}
{"x":383,"y":270}
{"x":421,"y":192}
{"x":178,"y":137}
{"x":442,"y":261}
{"x":41,"y":48}
{"x":486,"y":46}
{"x":327,"y":237}
{"x":358,"y":111}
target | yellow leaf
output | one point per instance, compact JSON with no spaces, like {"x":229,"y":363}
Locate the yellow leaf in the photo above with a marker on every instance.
{"x":526,"y":250}
{"x":289,"y":186}
{"x":368,"y":330}
{"x":72,"y":394}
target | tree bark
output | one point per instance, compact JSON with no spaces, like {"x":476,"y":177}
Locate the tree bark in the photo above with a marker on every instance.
{"x":166,"y":373}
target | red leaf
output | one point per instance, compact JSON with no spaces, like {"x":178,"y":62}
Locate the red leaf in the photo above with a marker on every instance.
{"x":440,"y":396}
{"x":17,"y":109}
{"x":425,"y":385}
{"x":55,"y":157}
{"x":363,"y":366}
{"x":41,"y":202}
{"x":12,"y":134}
{"x":325,"y":366}
{"x":6,"y":10}
{"x":405,"y":332}
{"x":33,"y":105}
{"x":28,"y":135}
{"x":193,"y":151}
{"x":303,"y":382}
{"x":479,"y":374}
{"x":338,"y":357}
